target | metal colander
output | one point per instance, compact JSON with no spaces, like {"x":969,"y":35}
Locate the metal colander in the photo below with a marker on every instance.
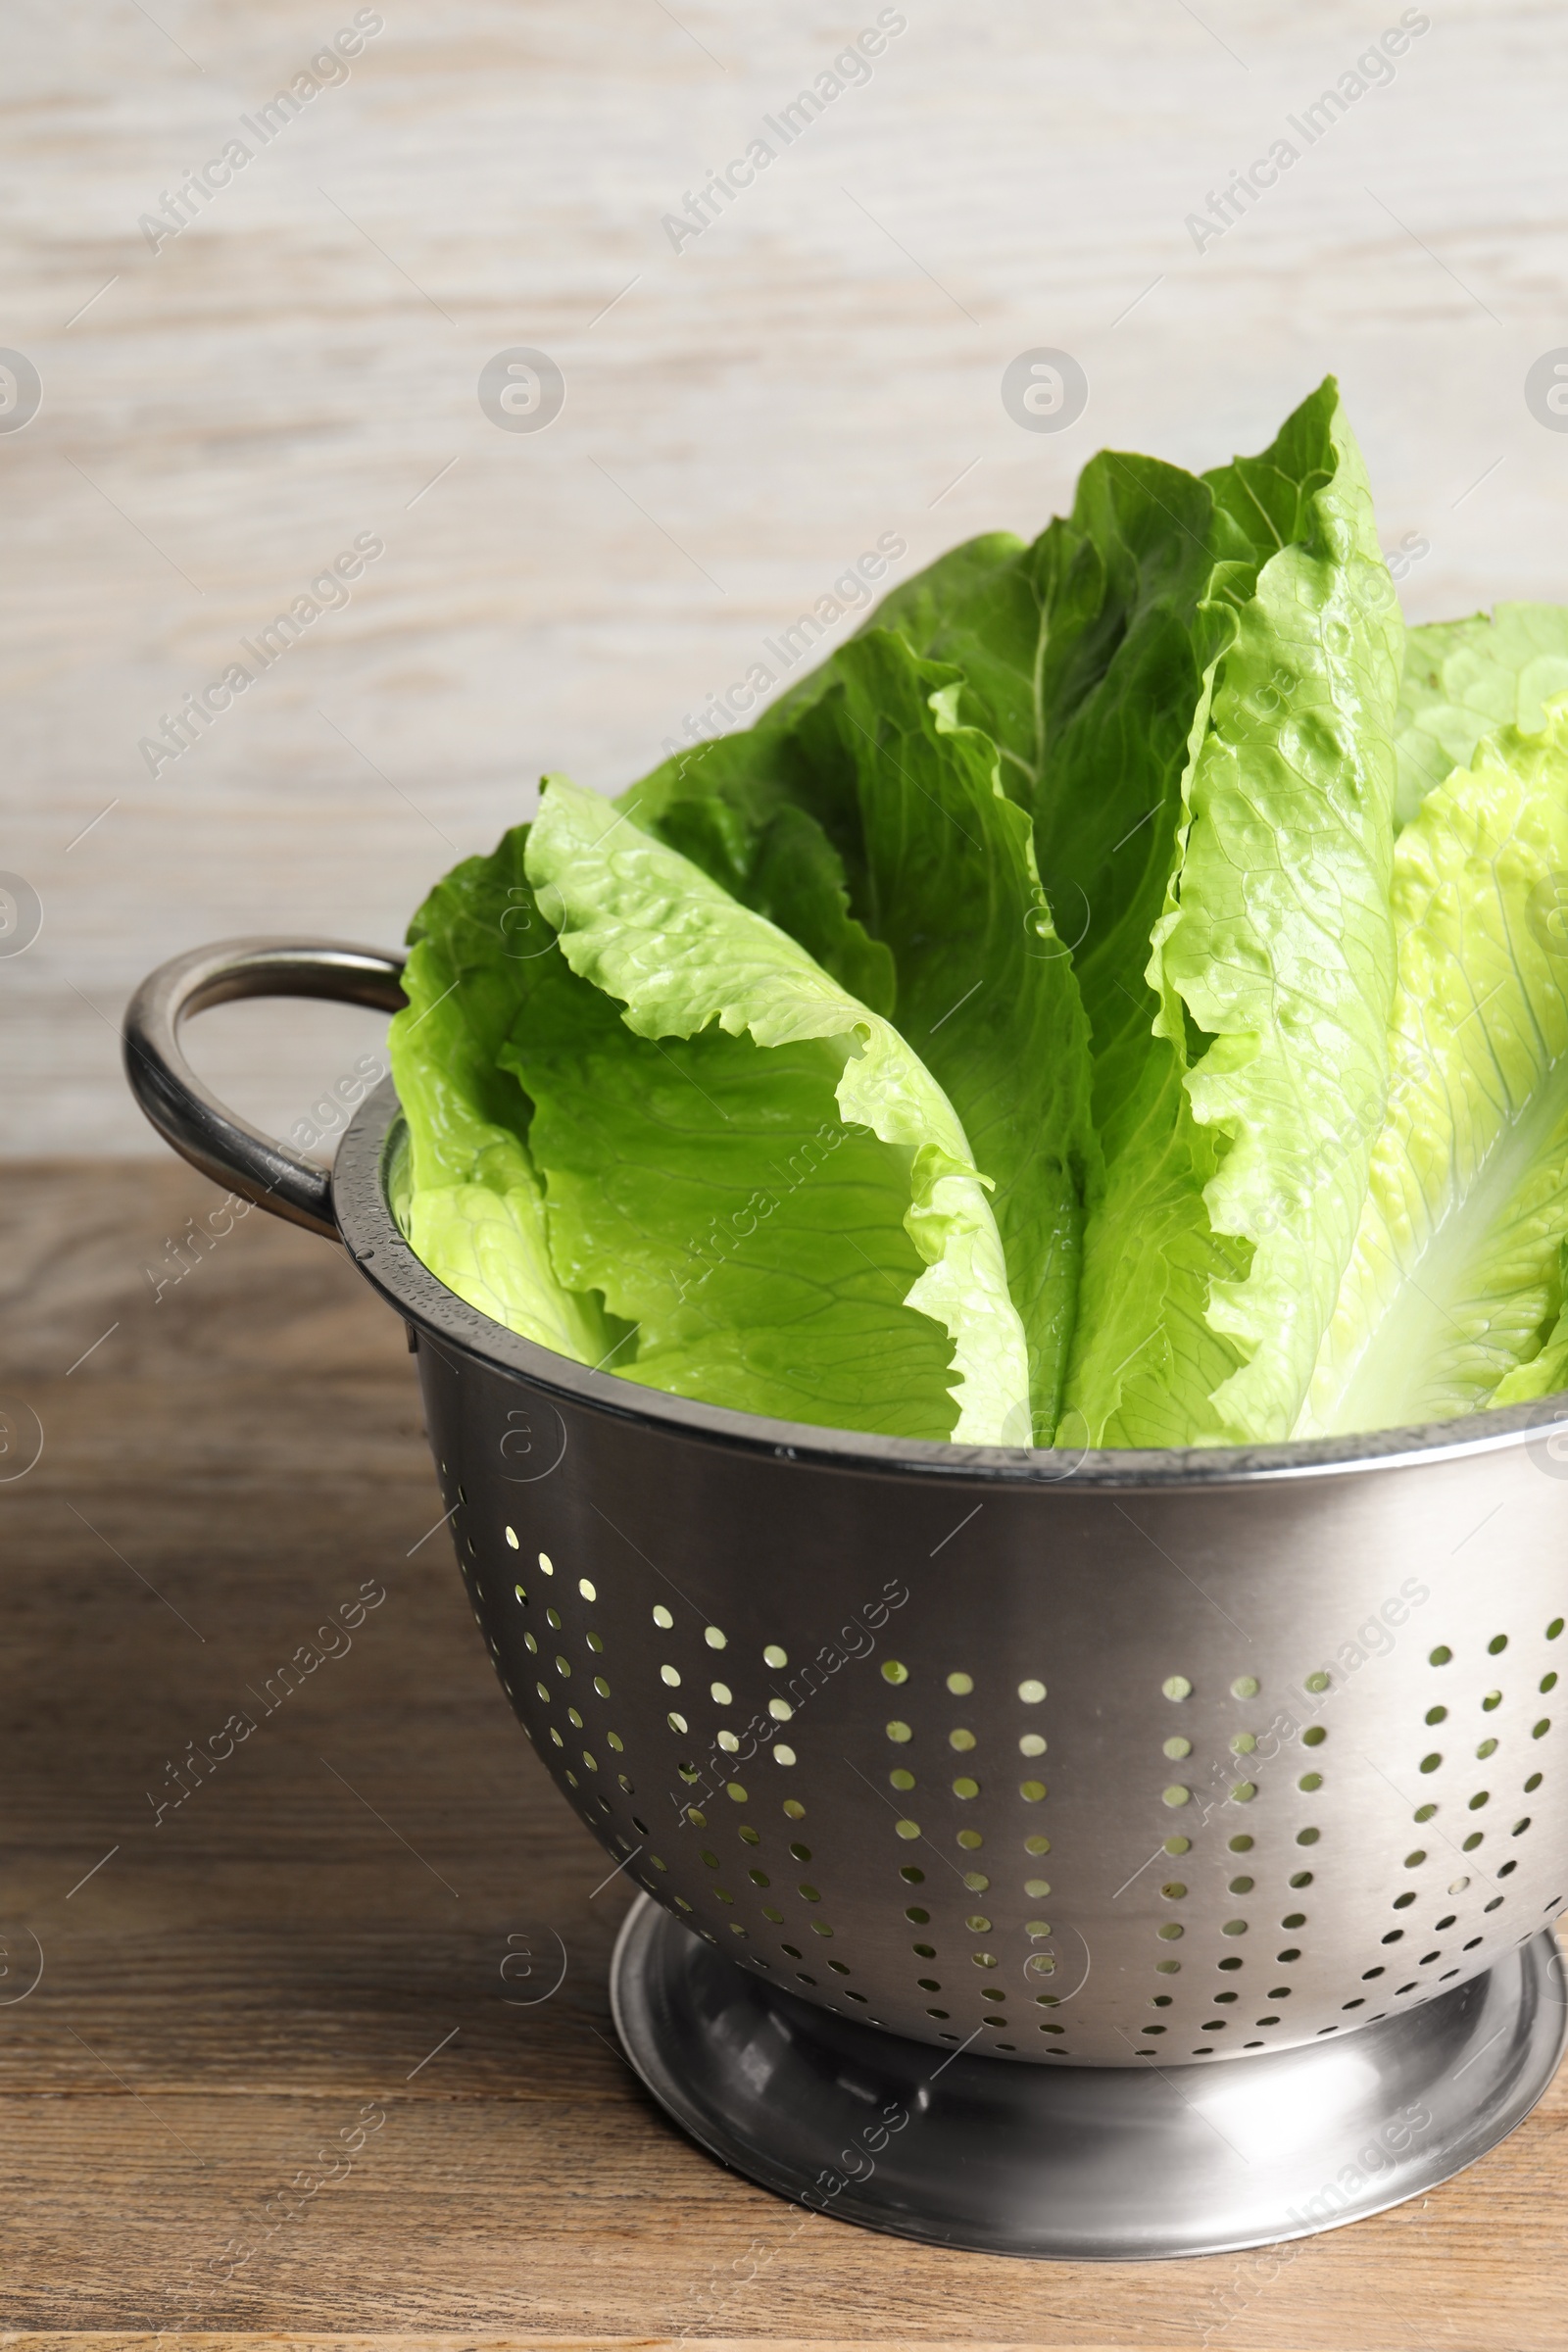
{"x":1114,"y":1760}
{"x":1169,"y":1761}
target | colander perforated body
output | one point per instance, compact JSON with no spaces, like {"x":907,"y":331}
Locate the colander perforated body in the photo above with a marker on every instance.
{"x":1125,"y":1762}
{"x":1172,"y":1757}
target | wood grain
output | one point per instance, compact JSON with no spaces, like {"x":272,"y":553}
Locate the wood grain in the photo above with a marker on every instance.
{"x":743,"y":417}
{"x":320,"y":1928}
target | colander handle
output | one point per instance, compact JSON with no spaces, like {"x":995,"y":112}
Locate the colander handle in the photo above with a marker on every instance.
{"x":188,"y":1114}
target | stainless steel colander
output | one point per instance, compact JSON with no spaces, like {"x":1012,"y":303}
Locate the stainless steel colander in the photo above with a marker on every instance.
{"x":1158,"y":1764}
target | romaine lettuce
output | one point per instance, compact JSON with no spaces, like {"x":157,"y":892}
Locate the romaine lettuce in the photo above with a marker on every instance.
{"x":994,"y":1041}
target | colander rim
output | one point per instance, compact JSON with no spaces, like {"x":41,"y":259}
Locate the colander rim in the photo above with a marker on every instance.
{"x":375,"y":1240}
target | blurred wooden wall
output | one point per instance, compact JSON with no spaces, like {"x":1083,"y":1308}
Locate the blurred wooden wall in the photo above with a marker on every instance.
{"x":223,"y":415}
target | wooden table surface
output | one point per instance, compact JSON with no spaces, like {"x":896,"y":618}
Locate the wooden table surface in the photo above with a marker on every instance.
{"x":310,"y":1947}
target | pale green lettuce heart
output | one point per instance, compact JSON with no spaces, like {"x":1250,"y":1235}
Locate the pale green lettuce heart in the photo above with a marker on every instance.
{"x":1278,"y":939}
{"x":1453,"y":1291}
{"x":1464,"y":680}
{"x":648,"y":928}
{"x":474,"y":1206}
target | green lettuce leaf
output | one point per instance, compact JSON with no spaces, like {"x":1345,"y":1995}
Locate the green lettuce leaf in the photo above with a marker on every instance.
{"x":475,"y":1204}
{"x":1464,"y":680}
{"x":761,"y":1019}
{"x":1453,"y":1295}
{"x":878,"y":795}
{"x":1277,"y":938}
{"x":985,"y":991}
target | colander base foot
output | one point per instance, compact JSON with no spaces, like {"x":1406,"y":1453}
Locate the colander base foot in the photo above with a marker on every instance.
{"x":1106,"y":2164}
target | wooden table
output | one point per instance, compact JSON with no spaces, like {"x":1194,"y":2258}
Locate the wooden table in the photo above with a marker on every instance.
{"x":309,"y":1946}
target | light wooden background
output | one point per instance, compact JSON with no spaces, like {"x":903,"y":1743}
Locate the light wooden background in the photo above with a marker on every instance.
{"x":820,"y":366}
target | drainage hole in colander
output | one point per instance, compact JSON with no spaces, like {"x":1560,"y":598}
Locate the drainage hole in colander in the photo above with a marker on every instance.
{"x":1504,"y":1868}
{"x":1241,"y":1886}
{"x":1226,"y":1997}
{"x":1279,"y":1992}
{"x":1533,"y":1783}
{"x":1402,"y":1902}
{"x":939,"y":2013}
{"x":1287,"y":1956}
{"x":1520,"y":1827}
{"x":1552,"y":1905}
{"x":1252,"y":2045}
{"x":1358,"y":2003}
{"x":1147,"y":2028}
{"x":1367,"y":1974}
{"x":1267,"y":2021}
